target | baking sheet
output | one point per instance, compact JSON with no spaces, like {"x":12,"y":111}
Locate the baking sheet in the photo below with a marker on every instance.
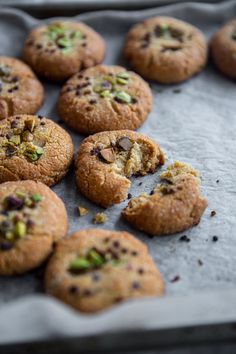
{"x":196,"y":125}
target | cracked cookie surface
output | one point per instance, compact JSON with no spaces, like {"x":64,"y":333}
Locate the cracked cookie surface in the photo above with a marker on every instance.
{"x":223,"y":49}
{"x":20,"y":90}
{"x":60,"y":49}
{"x":32,"y":218}
{"x":33,"y":147}
{"x":174,"y":205}
{"x":104,"y":98}
{"x":165,"y":49}
{"x":94,"y":269}
{"x":106,"y":160}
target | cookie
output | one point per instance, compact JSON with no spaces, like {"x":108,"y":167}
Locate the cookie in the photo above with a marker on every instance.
{"x":223,"y":49}
{"x":58,"y":50}
{"x":106,"y":160}
{"x":94,"y":269}
{"x":104,"y":98}
{"x":20,"y":90}
{"x":174,"y":205}
{"x":33,"y":147}
{"x":165,"y":49}
{"x":32,"y":218}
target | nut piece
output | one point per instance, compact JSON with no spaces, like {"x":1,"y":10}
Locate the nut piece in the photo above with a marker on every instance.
{"x":82,"y":211}
{"x":99,"y":218}
{"x":125,"y":143}
{"x":108,"y":155}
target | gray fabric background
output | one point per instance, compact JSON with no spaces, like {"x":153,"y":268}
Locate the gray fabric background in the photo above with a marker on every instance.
{"x":197,"y":126}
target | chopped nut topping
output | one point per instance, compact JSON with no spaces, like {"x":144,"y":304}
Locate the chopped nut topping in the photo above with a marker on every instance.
{"x":124,"y":143}
{"x":99,"y":218}
{"x":108,"y":155}
{"x":82,"y":211}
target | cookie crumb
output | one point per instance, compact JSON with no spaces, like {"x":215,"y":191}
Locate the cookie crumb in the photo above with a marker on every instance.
{"x":213,"y":213}
{"x":82,"y":211}
{"x":129,"y":196}
{"x":184,"y":238}
{"x":175,"y":279}
{"x":214,"y":238}
{"x":99,"y":218}
{"x":217,"y":181}
{"x":200,"y":262}
{"x":178,"y":90}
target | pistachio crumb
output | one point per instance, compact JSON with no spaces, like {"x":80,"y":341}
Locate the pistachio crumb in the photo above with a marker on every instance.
{"x":99,"y":218}
{"x":82,"y":211}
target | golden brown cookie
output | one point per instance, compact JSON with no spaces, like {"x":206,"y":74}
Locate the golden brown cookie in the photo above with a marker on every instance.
{"x":165,"y":49}
{"x":223,"y":49}
{"x":104,"y":98}
{"x":60,"y":49}
{"x":33,"y":147}
{"x":175,"y":204}
{"x":32,"y":218}
{"x":94,"y":269}
{"x":20,"y":90}
{"x":106,"y":160}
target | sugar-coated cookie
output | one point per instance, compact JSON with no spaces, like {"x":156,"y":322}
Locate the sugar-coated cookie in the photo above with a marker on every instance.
{"x":32,"y":218}
{"x":33,"y":147}
{"x":174,"y":205}
{"x":106,"y":160}
{"x":104,"y":98}
{"x":20,"y":90}
{"x":60,"y":49}
{"x":94,"y":269}
{"x":165,"y":49}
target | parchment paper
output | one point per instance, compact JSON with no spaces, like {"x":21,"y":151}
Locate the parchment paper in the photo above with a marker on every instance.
{"x":196,"y":125}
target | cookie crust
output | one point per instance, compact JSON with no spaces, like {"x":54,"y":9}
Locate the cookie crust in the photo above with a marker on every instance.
{"x":126,"y":270}
{"x":175,"y":204}
{"x":165,"y":49}
{"x":104,"y":98}
{"x":20,"y":90}
{"x":33,"y":147}
{"x":60,"y":49}
{"x":223,"y":49}
{"x":44,"y":220}
{"x":106,"y":160}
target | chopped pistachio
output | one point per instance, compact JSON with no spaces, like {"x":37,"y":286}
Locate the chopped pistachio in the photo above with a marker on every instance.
{"x":27,"y":136}
{"x":64,"y":42}
{"x":99,"y":218}
{"x":105,"y":93}
{"x":39,"y":150}
{"x":76,"y":35}
{"x":20,"y":194}
{"x":79,"y":263}
{"x":15,"y":139}
{"x":123,"y":75}
{"x":123,"y":97}
{"x":9,"y":235}
{"x":36,"y":197}
{"x":20,"y":229}
{"x":122,"y":81}
{"x":30,"y":124}
{"x":124,"y":143}
{"x":82,"y":211}
{"x":4,"y":70}
{"x":95,"y":258}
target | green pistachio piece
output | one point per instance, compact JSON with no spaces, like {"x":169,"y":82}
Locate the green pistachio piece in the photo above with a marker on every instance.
{"x":9,"y":235}
{"x":122,"y":81}
{"x":76,"y":35}
{"x":36,"y":197}
{"x":20,"y":194}
{"x":79,"y":263}
{"x":15,"y":139}
{"x":123,"y":97}
{"x":64,"y":43}
{"x":95,"y":258}
{"x":55,"y":30}
{"x":28,"y":202}
{"x":123,"y":75}
{"x":30,"y":124}
{"x":4,"y":70}
{"x":105,"y":93}
{"x":31,"y":155}
{"x":20,"y":229}
{"x":27,"y":136}
{"x":39,"y":150}
{"x":98,"y":88}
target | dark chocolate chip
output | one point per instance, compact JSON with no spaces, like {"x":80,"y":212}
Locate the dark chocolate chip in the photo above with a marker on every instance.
{"x":87,"y":292}
{"x":14,"y":124}
{"x":73,"y":289}
{"x":175,"y":279}
{"x":5,"y":246}
{"x":134,"y":253}
{"x":129,"y":195}
{"x":184,"y":238}
{"x":140,"y":270}
{"x":214,"y":238}
{"x":96,"y":277}
{"x":213,"y":213}
{"x":39,"y":46}
{"x":124,"y":143}
{"x":135,"y":285}
{"x":200,"y":262}
{"x":116,"y":244}
{"x":93,"y":101}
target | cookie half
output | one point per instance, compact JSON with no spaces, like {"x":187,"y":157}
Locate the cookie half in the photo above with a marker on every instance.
{"x":60,"y":49}
{"x":20,"y":90}
{"x":223,"y":49}
{"x":165,"y":49}
{"x":104,"y":98}
{"x":174,"y":205}
{"x":33,"y":147}
{"x":106,"y":160}
{"x":32,"y":218}
{"x":94,"y":269}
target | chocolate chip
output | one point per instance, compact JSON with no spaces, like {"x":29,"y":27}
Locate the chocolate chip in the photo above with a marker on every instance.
{"x":95,"y":151}
{"x":175,"y":279}
{"x":73,"y":289}
{"x":93,"y":101}
{"x":13,"y":203}
{"x":116,"y":244}
{"x":147,"y":37}
{"x":134,"y":100}
{"x":87,"y":292}
{"x":135,"y":285}
{"x":213,"y":213}
{"x":10,"y":151}
{"x":184,"y":238}
{"x":214,"y":238}
{"x":5,"y":246}
{"x":14,"y":124}
{"x":152,"y":192}
{"x":124,"y":250}
{"x":124,"y":143}
{"x":106,"y":240}
{"x":129,"y":195}
{"x":42,"y":123}
{"x":134,"y":253}
{"x":140,"y":183}
{"x":200,"y":262}
{"x":144,"y":45}
{"x":84,"y":44}
{"x":87,"y":92}
{"x":40,"y":117}
{"x":217,"y":181}
{"x":178,"y":90}
{"x":95,"y":277}
{"x":39,"y":46}
{"x":140,"y":271}
{"x":108,"y":155}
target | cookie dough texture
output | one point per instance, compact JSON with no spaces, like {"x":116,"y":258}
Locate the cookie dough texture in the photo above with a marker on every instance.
{"x":60,"y":49}
{"x":175,"y":204}
{"x":33,"y":147}
{"x":106,"y":160}
{"x":20,"y":90}
{"x":104,"y":98}
{"x":223,"y":49}
{"x":165,"y":49}
{"x":46,"y":223}
{"x":126,"y":270}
